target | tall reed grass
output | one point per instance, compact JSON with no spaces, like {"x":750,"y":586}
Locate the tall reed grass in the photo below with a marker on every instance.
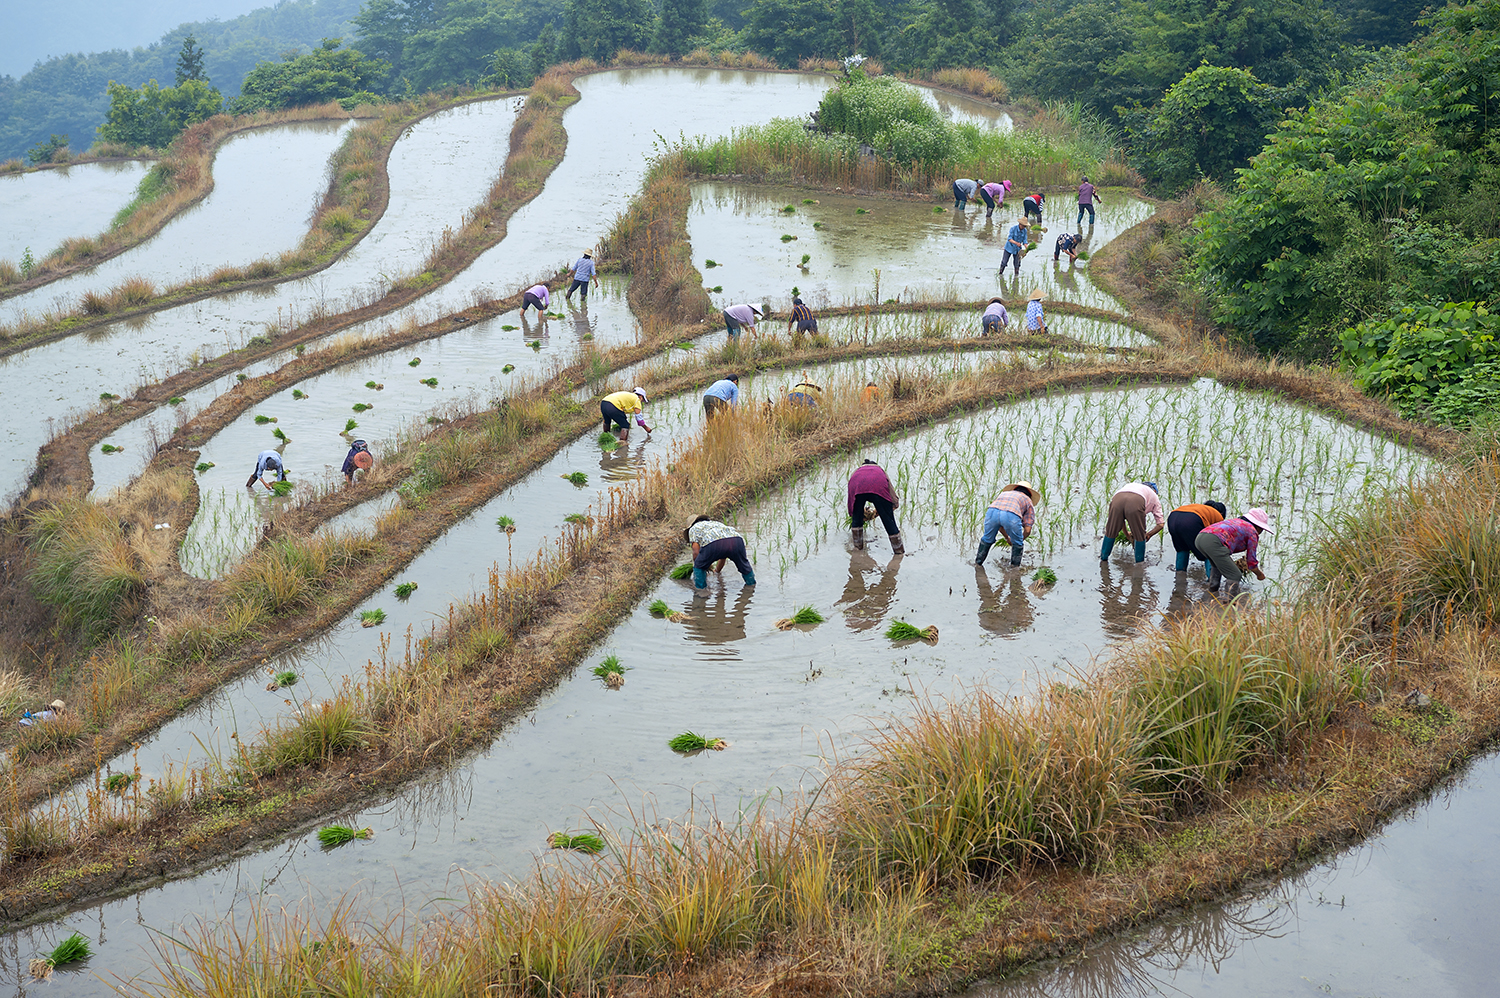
{"x":83,"y":566}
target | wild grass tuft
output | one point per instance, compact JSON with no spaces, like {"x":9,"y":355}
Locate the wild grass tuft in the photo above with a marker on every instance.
{"x":315,"y":734}
{"x":83,"y":566}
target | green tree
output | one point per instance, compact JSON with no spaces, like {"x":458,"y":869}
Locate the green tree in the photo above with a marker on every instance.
{"x":153,"y":115}
{"x":597,"y":29}
{"x":385,"y":25}
{"x":326,"y":73}
{"x":679,"y":23}
{"x":789,"y":31}
{"x":190,"y":62}
{"x":543,"y":50}
{"x":1207,"y":125}
{"x":1381,"y":22}
{"x":44,"y":152}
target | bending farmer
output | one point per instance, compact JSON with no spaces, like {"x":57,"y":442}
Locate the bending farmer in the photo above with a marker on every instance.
{"x":713,"y":544}
{"x":583,"y":272}
{"x":721,"y":395}
{"x":995,"y":317}
{"x":1220,"y":542}
{"x":1185,"y":523}
{"x":1128,"y":508}
{"x":962,"y":191}
{"x":267,"y":462}
{"x":737,"y":317}
{"x":1032,"y":205}
{"x":359,"y":458}
{"x":536,"y":295}
{"x":1014,"y":513}
{"x":994,"y":196}
{"x":614,"y":407}
{"x":869,"y":485}
{"x":802,"y":318}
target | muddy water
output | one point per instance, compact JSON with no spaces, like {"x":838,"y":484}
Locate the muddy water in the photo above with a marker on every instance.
{"x":1411,"y":911}
{"x":468,"y":365}
{"x":920,"y":249}
{"x":252,"y":212}
{"x":42,"y":209}
{"x":439,"y":168}
{"x":783,"y":699}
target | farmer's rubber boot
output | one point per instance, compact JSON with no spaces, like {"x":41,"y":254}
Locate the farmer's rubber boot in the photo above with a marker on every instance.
{"x":897,"y":547}
{"x":1182,"y":561}
{"x":982,"y":553}
{"x":1231,"y":591}
{"x":1140,"y":552}
{"x":749,"y":578}
{"x":1015,"y":554}
{"x":700,"y":578}
{"x":1213,"y":577}
{"x":858,"y":533}
{"x":1106,"y":548}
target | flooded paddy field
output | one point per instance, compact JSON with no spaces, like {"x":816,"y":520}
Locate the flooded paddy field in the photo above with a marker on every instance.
{"x":868,"y":249}
{"x":786,"y":701}
{"x":39,"y":210}
{"x":267,"y":210}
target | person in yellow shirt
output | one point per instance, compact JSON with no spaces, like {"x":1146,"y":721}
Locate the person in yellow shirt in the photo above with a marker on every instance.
{"x":614,"y":408}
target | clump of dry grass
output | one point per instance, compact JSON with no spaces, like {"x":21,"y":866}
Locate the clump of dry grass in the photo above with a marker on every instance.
{"x":974,"y":81}
{"x":83,"y":566}
{"x":287,"y":573}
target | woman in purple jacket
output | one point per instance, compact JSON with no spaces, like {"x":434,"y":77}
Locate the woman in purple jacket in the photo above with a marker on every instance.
{"x":869,"y":485}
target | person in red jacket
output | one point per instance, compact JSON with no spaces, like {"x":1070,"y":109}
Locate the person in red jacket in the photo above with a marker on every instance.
{"x":870,"y":485}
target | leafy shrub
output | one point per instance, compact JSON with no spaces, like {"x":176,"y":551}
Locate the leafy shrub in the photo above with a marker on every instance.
{"x":1426,"y":351}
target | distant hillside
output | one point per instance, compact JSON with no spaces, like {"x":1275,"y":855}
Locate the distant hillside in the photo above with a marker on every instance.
{"x":95,"y":25}
{"x":66,"y":95}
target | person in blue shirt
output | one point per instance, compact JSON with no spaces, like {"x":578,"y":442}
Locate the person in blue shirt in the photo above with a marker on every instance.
{"x":721,"y":395}
{"x":1015,"y":244}
{"x":583,"y":272}
{"x":268,"y":461}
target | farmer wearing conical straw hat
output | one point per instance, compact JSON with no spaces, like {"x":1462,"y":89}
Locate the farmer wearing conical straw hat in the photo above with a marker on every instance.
{"x":1220,"y":542}
{"x":1013,"y":513}
{"x":1036,"y":322}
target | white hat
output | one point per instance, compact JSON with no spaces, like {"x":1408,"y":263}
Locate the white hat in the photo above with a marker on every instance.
{"x":1258,"y":517}
{"x":641,"y":392}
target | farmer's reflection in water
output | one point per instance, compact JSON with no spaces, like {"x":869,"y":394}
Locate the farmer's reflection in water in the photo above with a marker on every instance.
{"x":1127,"y":598}
{"x":715,"y":618}
{"x":1006,"y":610}
{"x":623,"y":463}
{"x":869,"y":591}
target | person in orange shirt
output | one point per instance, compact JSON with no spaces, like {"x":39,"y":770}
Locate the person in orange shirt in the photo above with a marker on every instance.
{"x":1184,"y":523}
{"x":871,"y":393}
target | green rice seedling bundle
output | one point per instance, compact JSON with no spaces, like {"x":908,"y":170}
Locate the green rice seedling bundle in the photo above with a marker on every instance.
{"x":804,"y":615}
{"x":280,"y":434}
{"x":371,"y":618}
{"x":578,"y":518}
{"x":938,"y":211}
{"x":118,"y":782}
{"x":281,"y":680}
{"x":507,"y":368}
{"x":281,"y":488}
{"x":429,"y":382}
{"x":1045,"y":576}
{"x":710,"y":264}
{"x":809,"y":201}
{"x":718,"y":289}
{"x":682,"y":571}
{"x":611,"y":672}
{"x":350,"y":426}
{"x":203,"y":466}
{"x":70,"y":950}
{"x":608,"y":442}
{"x":556,"y":315}
{"x":787,"y":237}
{"x":263,"y":420}
{"x":860,"y":211}
{"x":414,"y":362}
{"x":110,"y":448}
{"x":578,"y":478}
{"x":506,"y":524}
{"x":659,"y":608}
{"x":509,"y":328}
{"x":361,"y":407}
{"x":371,"y":384}
{"x":691,"y":742}
{"x":337,"y":835}
{"x":176,"y":400}
{"x":900,"y":630}
{"x":788,"y":209}
{"x":405,"y":589}
{"x":534,"y":344}
{"x":805,"y":258}
{"x":583,"y":842}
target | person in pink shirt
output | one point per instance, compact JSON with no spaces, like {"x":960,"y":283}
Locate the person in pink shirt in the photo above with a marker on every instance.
{"x":1219,"y":542}
{"x":870,"y":485}
{"x":1128,"y":508}
{"x":994,"y":196}
{"x":536,"y":295}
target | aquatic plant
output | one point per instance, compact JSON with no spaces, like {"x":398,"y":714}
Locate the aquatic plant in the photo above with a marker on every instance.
{"x":405,"y":589}
{"x":362,"y":407}
{"x":110,"y":448}
{"x":281,"y":488}
{"x":350,"y":426}
{"x":70,"y":950}
{"x":298,"y":394}
{"x":900,"y":630}
{"x":429,"y":382}
{"x":691,"y":742}
{"x":682,"y":571}
{"x":804,"y":615}
{"x":578,"y":478}
{"x":337,"y":835}
{"x":414,"y":362}
{"x":118,"y":782}
{"x":507,"y":368}
{"x":583,"y":842}
{"x":371,"y":618}
{"x":203,"y":466}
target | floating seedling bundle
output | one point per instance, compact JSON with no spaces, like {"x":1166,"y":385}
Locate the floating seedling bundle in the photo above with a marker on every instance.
{"x":118,"y":783}
{"x":70,"y":950}
{"x":659,"y":608}
{"x":280,"y":488}
{"x":281,"y":680}
{"x":1043,"y":579}
{"x":578,"y":478}
{"x":582,"y":842}
{"x":900,"y":630}
{"x":371,"y":618}
{"x":805,"y":615}
{"x":405,"y":589}
{"x":690,"y":742}
{"x":611,"y":672}
{"x":333,"y":836}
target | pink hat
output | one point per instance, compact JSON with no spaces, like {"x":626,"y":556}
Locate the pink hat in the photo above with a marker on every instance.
{"x":1006,"y":184}
{"x":1258,"y":517}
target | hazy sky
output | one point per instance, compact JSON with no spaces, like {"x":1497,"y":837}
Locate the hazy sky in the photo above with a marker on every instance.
{"x":37,"y":29}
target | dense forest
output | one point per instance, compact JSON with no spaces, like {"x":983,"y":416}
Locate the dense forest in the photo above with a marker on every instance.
{"x":67,"y":96}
